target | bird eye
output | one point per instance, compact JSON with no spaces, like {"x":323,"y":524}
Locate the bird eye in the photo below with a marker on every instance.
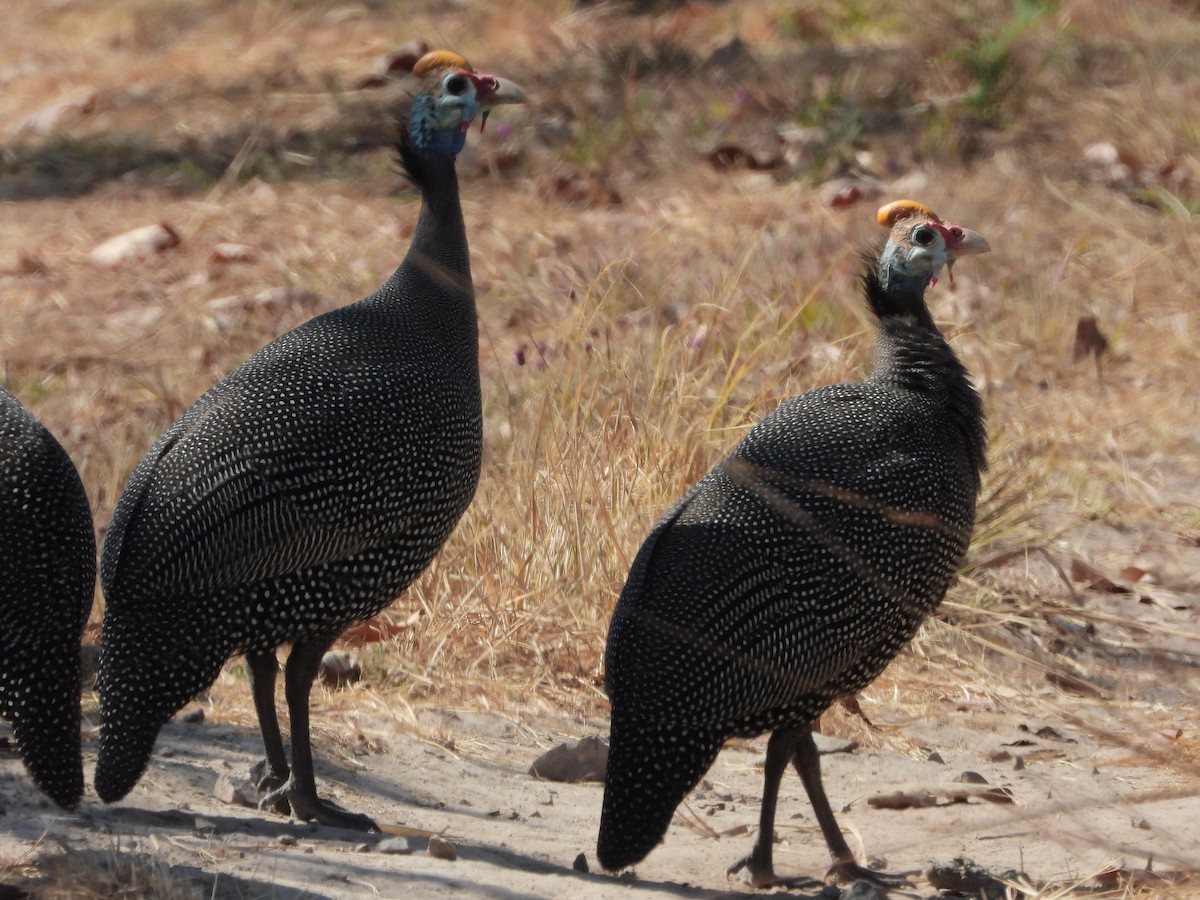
{"x":455,"y":85}
{"x":922,"y":236}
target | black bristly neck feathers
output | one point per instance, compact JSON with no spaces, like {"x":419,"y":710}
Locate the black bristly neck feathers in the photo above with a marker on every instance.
{"x":911,"y":354}
{"x":440,"y":235}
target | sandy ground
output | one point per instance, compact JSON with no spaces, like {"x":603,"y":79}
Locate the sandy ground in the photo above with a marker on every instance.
{"x":1102,"y":774}
{"x":1079,"y":805}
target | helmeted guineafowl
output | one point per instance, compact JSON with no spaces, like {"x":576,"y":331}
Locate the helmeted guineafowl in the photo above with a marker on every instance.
{"x":306,"y":490}
{"x":47,"y":581}
{"x":795,"y":570}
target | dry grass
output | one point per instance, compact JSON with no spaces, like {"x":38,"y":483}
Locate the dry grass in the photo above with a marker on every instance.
{"x":654,"y":330}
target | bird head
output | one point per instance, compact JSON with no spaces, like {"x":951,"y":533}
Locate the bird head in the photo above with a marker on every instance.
{"x":920,"y":243}
{"x":453,"y":94}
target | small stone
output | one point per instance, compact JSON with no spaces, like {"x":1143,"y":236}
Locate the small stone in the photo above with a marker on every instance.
{"x":362,"y":848}
{"x":232,"y":791}
{"x":827,"y":744}
{"x":1019,"y":764}
{"x":964,"y":876}
{"x":971,"y":778}
{"x":193,"y":716}
{"x":204,"y":826}
{"x":580,"y":864}
{"x":583,"y":760}
{"x":287,"y":840}
{"x":999,"y":756}
{"x":935,"y":757}
{"x":136,"y":244}
{"x":440,"y":848}
{"x":339,"y":669}
{"x":396,"y":846}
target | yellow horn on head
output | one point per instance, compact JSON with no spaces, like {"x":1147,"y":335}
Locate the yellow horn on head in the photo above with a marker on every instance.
{"x":903,"y":209}
{"x":439,"y":59}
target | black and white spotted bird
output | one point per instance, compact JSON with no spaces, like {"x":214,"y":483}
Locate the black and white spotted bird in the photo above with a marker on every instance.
{"x":47,"y":582}
{"x":794,"y":572}
{"x":309,"y":488}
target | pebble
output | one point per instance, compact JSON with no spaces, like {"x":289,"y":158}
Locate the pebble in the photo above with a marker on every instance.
{"x":971,"y":778}
{"x":966,"y":876}
{"x":339,"y":669}
{"x":397,"y":846}
{"x":583,"y":760}
{"x":440,"y":848}
{"x":232,"y":791}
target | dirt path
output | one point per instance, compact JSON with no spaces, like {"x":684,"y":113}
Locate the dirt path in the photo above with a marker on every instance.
{"x":1077,"y":806}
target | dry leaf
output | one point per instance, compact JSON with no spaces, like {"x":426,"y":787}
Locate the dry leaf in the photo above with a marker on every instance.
{"x":137,"y":244}
{"x":845,"y":192}
{"x":226,"y":252}
{"x":1089,"y":341}
{"x":55,"y":115}
{"x":903,"y":800}
{"x":1094,"y":578}
{"x":728,"y":157}
{"x":1073,"y":685}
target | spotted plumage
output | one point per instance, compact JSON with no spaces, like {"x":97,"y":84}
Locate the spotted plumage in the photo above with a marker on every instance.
{"x":306,"y":490}
{"x":47,"y":579}
{"x":793,"y":572}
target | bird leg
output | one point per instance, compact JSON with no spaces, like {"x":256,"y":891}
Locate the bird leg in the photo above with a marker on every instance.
{"x":271,"y":773}
{"x":759,"y":864}
{"x":300,"y":789}
{"x":807,"y":760}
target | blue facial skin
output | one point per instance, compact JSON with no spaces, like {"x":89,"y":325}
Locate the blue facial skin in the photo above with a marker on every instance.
{"x":909,"y":270}
{"x":438,"y":119}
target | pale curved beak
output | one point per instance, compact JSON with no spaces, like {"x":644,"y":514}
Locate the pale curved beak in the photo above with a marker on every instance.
{"x":504,"y":91}
{"x":968,"y":244}
{"x":496,"y":92}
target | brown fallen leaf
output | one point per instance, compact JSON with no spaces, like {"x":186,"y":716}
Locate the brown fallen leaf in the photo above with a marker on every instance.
{"x":842,"y":193}
{"x":55,"y":115}
{"x":1073,"y":684}
{"x":1134,"y":573}
{"x":903,"y":800}
{"x":1089,"y":341}
{"x":375,"y":630}
{"x":1094,"y":578}
{"x":918,"y":796}
{"x":28,"y":265}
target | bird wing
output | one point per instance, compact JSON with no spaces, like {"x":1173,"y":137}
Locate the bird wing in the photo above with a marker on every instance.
{"x":258,"y":479}
{"x":767,"y":570}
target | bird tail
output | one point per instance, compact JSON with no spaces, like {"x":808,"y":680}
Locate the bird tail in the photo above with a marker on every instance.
{"x":45,"y":718}
{"x":651,"y":768}
{"x":150,"y":666}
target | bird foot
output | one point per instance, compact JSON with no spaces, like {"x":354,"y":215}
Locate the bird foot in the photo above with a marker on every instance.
{"x":848,"y":871}
{"x":755,"y":875}
{"x":268,"y":782}
{"x":311,"y":808}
